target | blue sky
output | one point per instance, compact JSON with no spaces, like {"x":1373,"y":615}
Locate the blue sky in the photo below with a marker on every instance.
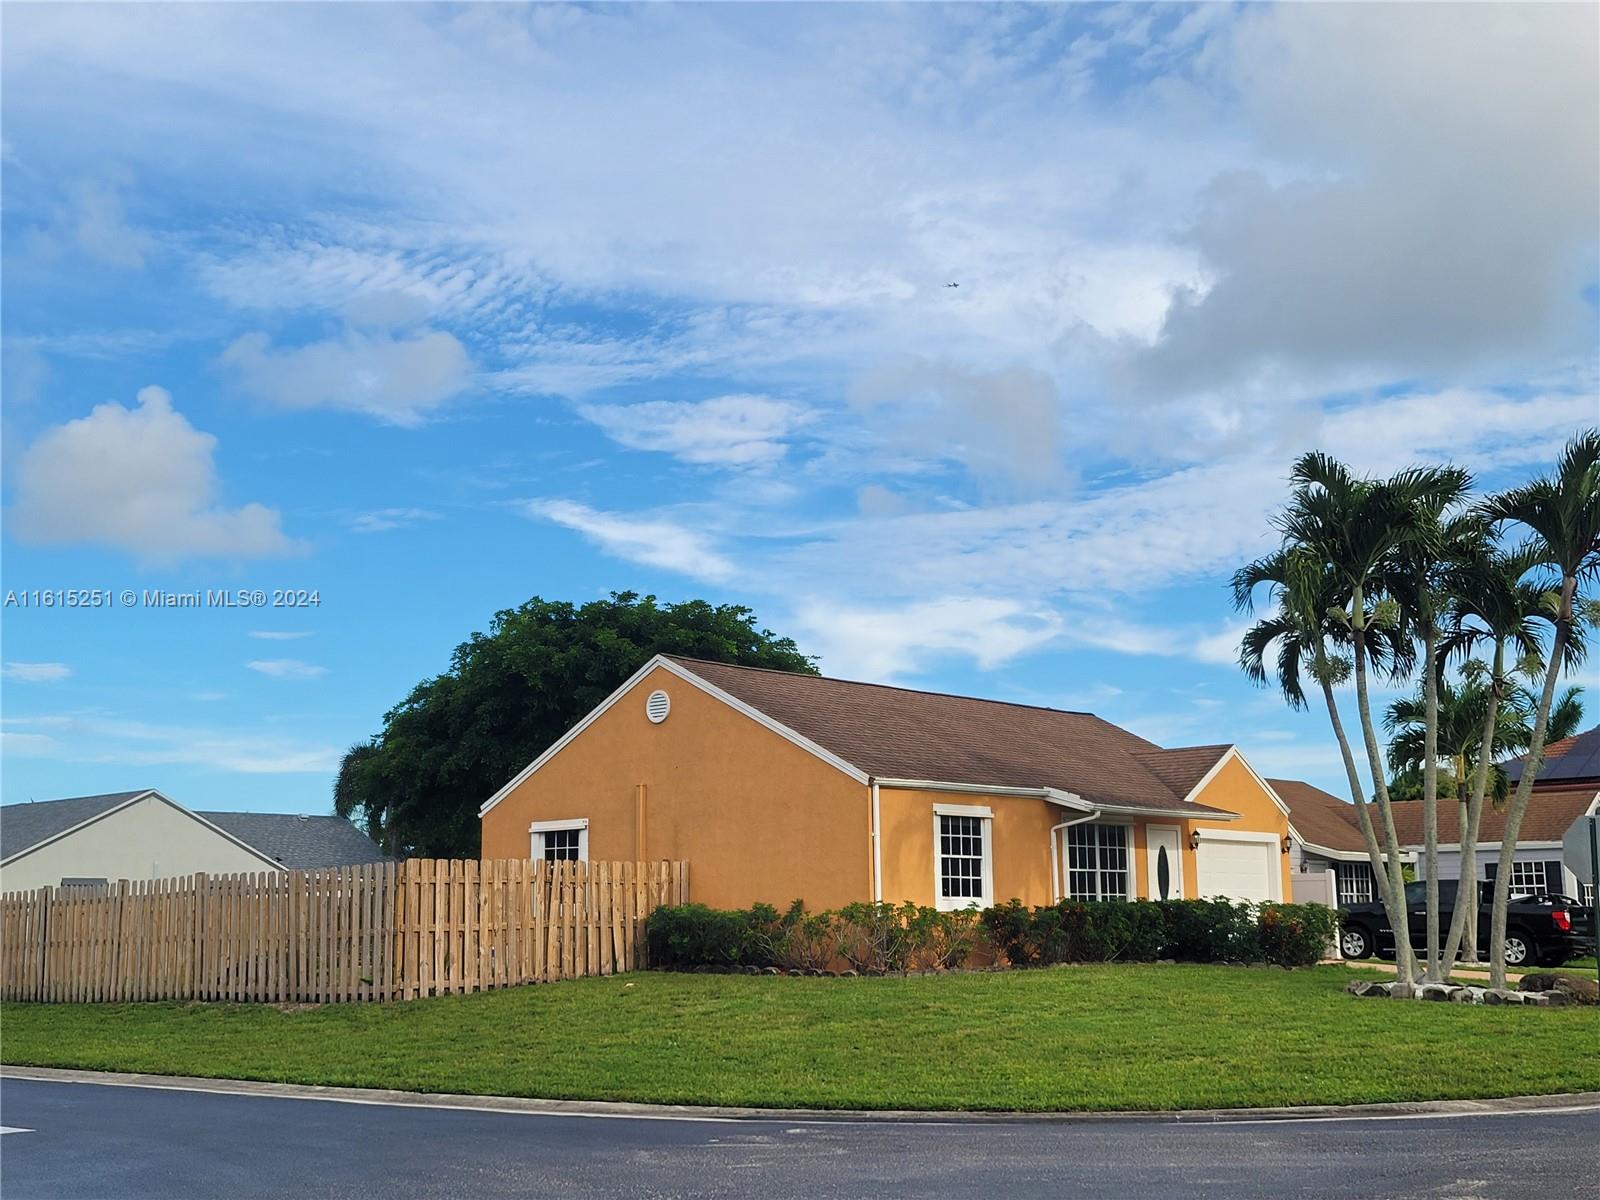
{"x":428,"y":310}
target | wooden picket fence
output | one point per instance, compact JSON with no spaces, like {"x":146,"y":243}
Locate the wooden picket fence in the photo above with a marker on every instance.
{"x":384,"y":931}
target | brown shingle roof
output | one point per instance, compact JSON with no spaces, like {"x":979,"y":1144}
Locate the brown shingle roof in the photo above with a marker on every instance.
{"x":898,"y":733}
{"x":1318,"y":817}
{"x":1182,"y":767}
{"x":1324,"y":820}
{"x":1551,"y":812}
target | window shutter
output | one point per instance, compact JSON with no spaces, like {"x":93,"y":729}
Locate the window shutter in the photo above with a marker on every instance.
{"x":1553,"y":883}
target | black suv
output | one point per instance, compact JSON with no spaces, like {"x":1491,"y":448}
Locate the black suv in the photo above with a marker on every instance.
{"x":1541,"y":929}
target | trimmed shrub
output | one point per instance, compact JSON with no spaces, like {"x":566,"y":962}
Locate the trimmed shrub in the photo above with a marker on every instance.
{"x":692,"y":935}
{"x":1295,"y":935}
{"x":1210,"y":931}
{"x":808,"y":941}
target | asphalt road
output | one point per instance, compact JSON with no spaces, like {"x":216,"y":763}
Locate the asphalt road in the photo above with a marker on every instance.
{"x":78,"y":1141}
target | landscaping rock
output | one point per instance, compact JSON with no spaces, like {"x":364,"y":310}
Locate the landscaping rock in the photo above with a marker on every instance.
{"x":1579,"y":988}
{"x":1376,"y":991}
{"x":1536,"y":998}
{"x":1463,"y":995}
{"x":1501,"y":996}
{"x":1356,"y":987}
{"x":796,"y":971}
{"x":852,"y":974}
{"x":1434,"y":991}
{"x":1559,"y":999}
{"x":772,"y":971}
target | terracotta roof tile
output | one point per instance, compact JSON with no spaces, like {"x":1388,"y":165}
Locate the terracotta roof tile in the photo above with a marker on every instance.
{"x":898,"y":733}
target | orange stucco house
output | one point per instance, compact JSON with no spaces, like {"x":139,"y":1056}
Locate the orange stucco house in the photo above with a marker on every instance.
{"x":775,"y":785}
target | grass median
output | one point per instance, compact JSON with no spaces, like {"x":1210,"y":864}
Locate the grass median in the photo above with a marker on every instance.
{"x":1095,"y":1037}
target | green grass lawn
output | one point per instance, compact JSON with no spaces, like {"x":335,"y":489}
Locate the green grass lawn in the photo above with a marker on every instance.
{"x":1103,"y":1037}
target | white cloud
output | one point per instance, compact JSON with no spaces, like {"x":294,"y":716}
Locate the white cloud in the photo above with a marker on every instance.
{"x":1431,"y":203}
{"x":398,"y":378}
{"x":36,"y":672}
{"x":286,"y":668}
{"x":730,"y":431}
{"x":1221,"y":647}
{"x":142,"y":480}
{"x":653,"y":542}
{"x":102,"y":738}
{"x":91,"y":222}
{"x":384,"y":519}
{"x":883,"y":643}
{"x":279,"y":635}
{"x":1000,"y":424}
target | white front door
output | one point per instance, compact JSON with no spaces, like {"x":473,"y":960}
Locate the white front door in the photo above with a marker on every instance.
{"x":1164,"y":861}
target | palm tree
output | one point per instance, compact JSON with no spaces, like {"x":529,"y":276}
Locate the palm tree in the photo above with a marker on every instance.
{"x":1461,"y":710}
{"x":1489,"y":606}
{"x":1370,"y":533}
{"x":1296,"y":638}
{"x":1419,"y":573}
{"x":1561,"y":514}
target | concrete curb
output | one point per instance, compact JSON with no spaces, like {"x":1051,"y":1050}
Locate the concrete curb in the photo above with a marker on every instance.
{"x":1563,"y":1102}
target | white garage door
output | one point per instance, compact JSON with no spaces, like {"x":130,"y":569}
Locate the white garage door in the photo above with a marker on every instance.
{"x":1237,"y":870}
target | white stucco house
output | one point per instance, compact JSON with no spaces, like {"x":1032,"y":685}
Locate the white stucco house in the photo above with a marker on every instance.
{"x":145,"y":835}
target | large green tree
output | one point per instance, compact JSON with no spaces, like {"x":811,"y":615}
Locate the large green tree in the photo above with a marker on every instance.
{"x":509,"y":694}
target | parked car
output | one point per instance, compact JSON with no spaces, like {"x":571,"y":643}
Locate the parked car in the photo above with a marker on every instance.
{"x":1541,"y":928}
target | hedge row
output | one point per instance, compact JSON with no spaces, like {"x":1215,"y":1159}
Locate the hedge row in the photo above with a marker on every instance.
{"x":872,"y":938}
{"x":1290,"y":935}
{"x":881,"y":938}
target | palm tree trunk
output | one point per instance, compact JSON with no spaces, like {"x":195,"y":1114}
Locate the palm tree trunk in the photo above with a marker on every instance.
{"x":1395,"y":901}
{"x":1358,"y":795}
{"x":1464,"y":923}
{"x":1430,"y":795}
{"x":1519,"y":801}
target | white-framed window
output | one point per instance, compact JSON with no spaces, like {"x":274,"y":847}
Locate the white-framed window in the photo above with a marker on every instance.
{"x":1527,"y":877}
{"x":963,"y":857}
{"x":1355,"y":882}
{"x":1098,"y":862}
{"x":1588,"y":895}
{"x":560,"y":841}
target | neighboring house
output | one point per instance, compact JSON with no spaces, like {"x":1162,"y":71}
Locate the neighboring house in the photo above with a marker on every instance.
{"x":145,"y":835}
{"x":1571,"y":762}
{"x":775,"y":786}
{"x":1327,"y":836}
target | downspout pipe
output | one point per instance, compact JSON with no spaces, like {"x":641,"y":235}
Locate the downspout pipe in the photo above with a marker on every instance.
{"x":1058,"y":892}
{"x":877,"y":847}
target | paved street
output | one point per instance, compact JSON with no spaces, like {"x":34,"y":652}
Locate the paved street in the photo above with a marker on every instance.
{"x":78,"y":1141}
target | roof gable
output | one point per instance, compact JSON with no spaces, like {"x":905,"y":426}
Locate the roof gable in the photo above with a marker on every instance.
{"x":24,"y":826}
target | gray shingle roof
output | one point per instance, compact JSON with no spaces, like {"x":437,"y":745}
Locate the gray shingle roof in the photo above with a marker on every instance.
{"x":299,"y":842}
{"x":25,"y":825}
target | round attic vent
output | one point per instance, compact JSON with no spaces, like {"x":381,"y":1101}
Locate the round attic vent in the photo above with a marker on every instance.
{"x":657,"y":707}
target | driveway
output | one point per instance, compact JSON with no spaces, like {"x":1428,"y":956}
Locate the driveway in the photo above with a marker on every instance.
{"x":80,"y":1140}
